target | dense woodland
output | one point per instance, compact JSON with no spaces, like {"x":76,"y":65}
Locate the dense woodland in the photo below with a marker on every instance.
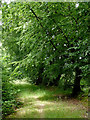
{"x":47,"y":43}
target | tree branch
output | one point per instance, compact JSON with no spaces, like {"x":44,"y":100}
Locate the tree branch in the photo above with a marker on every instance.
{"x":43,"y":27}
{"x":60,"y":30}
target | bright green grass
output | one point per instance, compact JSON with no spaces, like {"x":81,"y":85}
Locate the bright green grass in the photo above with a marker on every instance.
{"x":41,"y":102}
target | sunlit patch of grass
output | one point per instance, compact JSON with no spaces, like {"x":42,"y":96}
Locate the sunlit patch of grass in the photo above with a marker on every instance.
{"x":61,"y":109}
{"x":62,"y":113}
{"x":26,"y":113}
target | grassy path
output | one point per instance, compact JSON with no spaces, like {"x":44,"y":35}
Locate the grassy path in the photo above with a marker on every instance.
{"x":40,"y":102}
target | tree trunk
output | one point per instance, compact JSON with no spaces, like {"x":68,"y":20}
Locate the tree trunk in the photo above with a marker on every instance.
{"x":57,"y":80}
{"x":39,"y":80}
{"x":40,"y":76}
{"x":76,"y":87}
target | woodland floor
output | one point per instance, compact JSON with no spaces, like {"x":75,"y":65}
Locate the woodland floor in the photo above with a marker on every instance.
{"x":41,"y":102}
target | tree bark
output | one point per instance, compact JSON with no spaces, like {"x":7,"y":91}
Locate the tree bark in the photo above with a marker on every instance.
{"x":57,"y":80}
{"x":76,"y":87}
{"x":40,"y":76}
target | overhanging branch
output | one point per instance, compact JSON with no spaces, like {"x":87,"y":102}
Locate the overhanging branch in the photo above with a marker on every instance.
{"x":42,"y":27}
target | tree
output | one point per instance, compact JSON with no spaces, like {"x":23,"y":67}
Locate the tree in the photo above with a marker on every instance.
{"x":48,"y":40}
